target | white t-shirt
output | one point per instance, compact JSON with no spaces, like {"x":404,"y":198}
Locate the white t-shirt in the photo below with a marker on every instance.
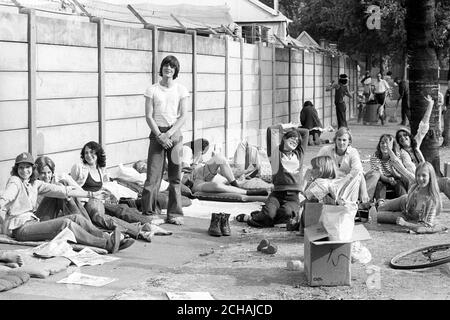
{"x":166,"y":102}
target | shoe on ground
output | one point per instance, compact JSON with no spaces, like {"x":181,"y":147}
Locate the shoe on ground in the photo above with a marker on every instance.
{"x":125,"y":243}
{"x":270,"y":249}
{"x":263,"y":244}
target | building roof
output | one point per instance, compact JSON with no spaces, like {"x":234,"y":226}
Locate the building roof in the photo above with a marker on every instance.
{"x":306,"y":40}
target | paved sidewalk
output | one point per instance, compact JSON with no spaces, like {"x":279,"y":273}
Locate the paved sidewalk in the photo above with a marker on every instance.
{"x":231,"y":268}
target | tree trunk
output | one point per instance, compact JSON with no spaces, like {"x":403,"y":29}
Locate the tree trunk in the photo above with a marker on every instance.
{"x":423,"y":74}
{"x":446,"y":133}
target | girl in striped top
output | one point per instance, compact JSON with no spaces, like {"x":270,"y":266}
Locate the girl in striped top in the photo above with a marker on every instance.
{"x":390,"y":178}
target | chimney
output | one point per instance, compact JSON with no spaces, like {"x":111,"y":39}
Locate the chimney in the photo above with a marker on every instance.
{"x":275,"y":5}
{"x":323,"y":43}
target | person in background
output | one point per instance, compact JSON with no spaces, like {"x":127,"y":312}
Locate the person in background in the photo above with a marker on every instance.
{"x":366,"y":81}
{"x":403,"y":95}
{"x":446,"y":113}
{"x":166,"y":105}
{"x":382,"y":91}
{"x":341,"y":91}
{"x":309,"y":118}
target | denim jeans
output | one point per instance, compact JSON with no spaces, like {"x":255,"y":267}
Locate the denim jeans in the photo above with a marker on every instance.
{"x":96,"y":211}
{"x":85,"y":233}
{"x":51,"y":208}
{"x":155,"y":169}
{"x":279,"y":207}
{"x":124,"y":212}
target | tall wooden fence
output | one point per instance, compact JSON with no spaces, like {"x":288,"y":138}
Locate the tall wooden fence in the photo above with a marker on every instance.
{"x":66,"y":80}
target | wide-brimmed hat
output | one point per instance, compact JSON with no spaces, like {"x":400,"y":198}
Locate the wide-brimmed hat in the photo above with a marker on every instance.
{"x":25,"y":157}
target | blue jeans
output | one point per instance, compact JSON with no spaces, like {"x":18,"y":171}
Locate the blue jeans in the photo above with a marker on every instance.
{"x":85,"y":232}
{"x":96,"y":211}
{"x":156,"y":159}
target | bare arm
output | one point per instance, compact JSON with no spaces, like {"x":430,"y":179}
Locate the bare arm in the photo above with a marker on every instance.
{"x":424,"y":124}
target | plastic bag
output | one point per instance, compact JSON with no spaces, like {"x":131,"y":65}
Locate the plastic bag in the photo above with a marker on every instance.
{"x":339,"y":220}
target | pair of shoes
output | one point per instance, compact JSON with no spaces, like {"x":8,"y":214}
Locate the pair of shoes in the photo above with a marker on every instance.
{"x":220,"y":225}
{"x":266,"y":247}
{"x":177,"y":221}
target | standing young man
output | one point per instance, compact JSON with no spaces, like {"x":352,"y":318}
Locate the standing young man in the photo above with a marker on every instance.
{"x":341,"y":90}
{"x":165,"y":112}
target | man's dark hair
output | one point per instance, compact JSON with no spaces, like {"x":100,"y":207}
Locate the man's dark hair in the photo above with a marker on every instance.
{"x":199,"y":143}
{"x":173,"y":63}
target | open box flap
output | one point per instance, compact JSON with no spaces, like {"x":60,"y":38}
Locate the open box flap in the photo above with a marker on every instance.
{"x":317,"y":233}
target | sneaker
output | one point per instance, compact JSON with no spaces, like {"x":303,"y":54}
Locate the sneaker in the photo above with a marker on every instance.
{"x":125,"y":243}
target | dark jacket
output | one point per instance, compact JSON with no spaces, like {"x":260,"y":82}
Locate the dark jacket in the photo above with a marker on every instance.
{"x":309,"y":118}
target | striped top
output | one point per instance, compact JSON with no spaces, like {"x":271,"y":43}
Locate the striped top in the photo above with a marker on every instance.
{"x":385,"y":166}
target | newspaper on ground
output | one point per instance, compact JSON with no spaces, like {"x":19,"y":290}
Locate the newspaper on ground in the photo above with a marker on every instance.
{"x":189,"y":295}
{"x":86,"y":280}
{"x":88,"y":257}
{"x":57,"y":247}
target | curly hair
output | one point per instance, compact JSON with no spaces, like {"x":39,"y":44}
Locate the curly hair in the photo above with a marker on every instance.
{"x":99,"y":152}
{"x":411,"y":138}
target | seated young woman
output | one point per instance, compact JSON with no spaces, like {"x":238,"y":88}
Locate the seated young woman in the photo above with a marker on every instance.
{"x":416,"y":210}
{"x":50,"y":208}
{"x":90,"y":174}
{"x":283,"y":203}
{"x":19,"y":202}
{"x":384,"y":176}
{"x":213,"y":175}
{"x":347,"y":160}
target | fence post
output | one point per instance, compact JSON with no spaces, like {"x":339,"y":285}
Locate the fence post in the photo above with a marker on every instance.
{"x":323,"y":90}
{"x":241,"y":42}
{"x":101,"y":79}
{"x":274,"y":83}
{"x":260,"y":97}
{"x":303,"y":76}
{"x":227,"y":93}
{"x":331,"y":91}
{"x":31,"y":35}
{"x":194,"y":84}
{"x":290,"y":84}
{"x":155,"y":69}
{"x":314,"y":77}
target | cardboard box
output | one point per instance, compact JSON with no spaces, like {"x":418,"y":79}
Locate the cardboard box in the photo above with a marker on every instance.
{"x":327,"y":263}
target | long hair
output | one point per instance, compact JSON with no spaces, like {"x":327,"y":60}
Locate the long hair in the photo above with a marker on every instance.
{"x":42,"y":162}
{"x":173,"y":63}
{"x":341,"y":131}
{"x":411,"y":138}
{"x":432,"y":188}
{"x":15,"y":172}
{"x":325,"y":165}
{"x":98,"y":149}
{"x":386,"y":136}
{"x":292,"y":133}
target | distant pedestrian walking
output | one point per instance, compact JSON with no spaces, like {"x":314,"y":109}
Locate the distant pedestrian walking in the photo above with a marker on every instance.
{"x":382,"y":90}
{"x":341,"y":90}
{"x":403,"y":94}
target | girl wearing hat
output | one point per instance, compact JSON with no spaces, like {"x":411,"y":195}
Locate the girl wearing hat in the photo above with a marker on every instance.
{"x":286,"y":160}
{"x":19,"y":201}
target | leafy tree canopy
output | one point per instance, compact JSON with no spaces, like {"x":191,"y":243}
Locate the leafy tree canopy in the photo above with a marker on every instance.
{"x":344,"y":22}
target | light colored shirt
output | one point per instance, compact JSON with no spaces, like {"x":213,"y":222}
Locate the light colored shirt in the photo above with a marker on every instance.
{"x":348,"y":164}
{"x":381,"y":86}
{"x":19,"y":200}
{"x":166,"y":102}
